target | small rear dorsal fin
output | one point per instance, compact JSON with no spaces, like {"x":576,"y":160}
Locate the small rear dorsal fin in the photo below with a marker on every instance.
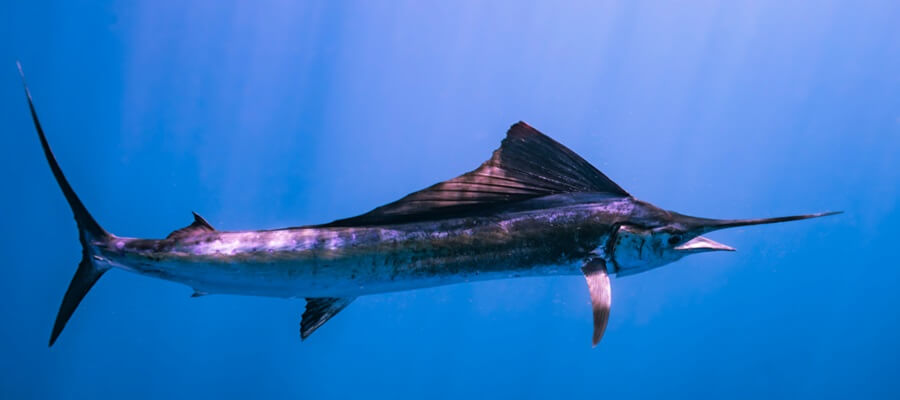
{"x":198,"y":226}
{"x":527,"y":165}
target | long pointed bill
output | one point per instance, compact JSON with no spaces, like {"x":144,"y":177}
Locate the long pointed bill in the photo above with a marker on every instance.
{"x":701,"y":244}
{"x":731,"y":223}
{"x":698,"y":226}
{"x":704,"y":225}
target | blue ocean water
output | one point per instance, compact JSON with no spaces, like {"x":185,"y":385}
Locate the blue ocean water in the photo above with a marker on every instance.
{"x":277,"y":113}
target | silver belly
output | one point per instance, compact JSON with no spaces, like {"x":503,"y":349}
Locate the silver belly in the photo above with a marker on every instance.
{"x":290,"y":279}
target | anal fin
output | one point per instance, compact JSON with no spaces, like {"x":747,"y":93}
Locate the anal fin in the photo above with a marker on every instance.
{"x":318,"y":311}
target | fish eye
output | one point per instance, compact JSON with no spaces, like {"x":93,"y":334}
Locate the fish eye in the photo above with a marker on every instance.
{"x":674,"y":239}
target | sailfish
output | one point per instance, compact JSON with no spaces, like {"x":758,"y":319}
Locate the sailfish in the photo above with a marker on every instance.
{"x":534,"y":208}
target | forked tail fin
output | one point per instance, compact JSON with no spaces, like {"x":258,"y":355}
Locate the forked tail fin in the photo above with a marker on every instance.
{"x":89,"y":232}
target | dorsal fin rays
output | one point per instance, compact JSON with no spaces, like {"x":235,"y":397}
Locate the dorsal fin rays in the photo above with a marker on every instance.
{"x":527,"y":165}
{"x":199,"y":225}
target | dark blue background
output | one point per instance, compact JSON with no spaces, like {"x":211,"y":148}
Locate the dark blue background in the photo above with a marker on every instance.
{"x":271,"y":114}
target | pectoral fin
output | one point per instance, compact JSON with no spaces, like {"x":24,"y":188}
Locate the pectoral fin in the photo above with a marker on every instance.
{"x":601,"y":294}
{"x":319,"y":310}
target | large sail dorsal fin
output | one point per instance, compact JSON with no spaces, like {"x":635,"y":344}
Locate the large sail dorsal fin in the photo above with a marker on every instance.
{"x":527,"y":165}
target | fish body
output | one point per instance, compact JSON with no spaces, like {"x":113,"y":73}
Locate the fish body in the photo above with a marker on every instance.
{"x":535,"y":208}
{"x":322,"y":261}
